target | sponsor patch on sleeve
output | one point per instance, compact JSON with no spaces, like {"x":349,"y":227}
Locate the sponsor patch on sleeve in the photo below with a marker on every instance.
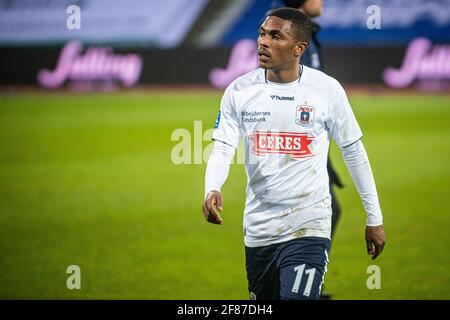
{"x":216,"y":125}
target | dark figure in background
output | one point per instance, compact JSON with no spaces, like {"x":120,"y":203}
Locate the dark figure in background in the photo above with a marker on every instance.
{"x":313,"y":58}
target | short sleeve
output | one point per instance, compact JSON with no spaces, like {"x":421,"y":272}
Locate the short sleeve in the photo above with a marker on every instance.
{"x":344,"y":128}
{"x":226,"y":128}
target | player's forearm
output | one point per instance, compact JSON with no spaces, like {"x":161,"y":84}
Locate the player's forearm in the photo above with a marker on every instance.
{"x":218,"y":166}
{"x":358,"y":165}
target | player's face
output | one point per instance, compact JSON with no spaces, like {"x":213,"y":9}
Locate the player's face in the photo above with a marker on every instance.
{"x":278,"y":47}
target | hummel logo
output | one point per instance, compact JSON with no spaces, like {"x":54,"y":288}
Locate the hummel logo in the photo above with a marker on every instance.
{"x":275,"y":97}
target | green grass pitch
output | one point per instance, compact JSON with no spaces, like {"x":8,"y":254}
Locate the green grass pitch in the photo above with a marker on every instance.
{"x":87,"y":180}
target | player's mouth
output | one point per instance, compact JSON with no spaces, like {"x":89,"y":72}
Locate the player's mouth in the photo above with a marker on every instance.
{"x":263,"y":55}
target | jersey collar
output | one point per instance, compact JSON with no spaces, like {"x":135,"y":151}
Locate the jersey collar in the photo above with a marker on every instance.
{"x":283,"y":85}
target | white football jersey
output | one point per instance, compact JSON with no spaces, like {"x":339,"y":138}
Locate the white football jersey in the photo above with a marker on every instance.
{"x":286,"y":128}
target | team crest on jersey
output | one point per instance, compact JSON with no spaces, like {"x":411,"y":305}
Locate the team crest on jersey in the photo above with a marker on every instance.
{"x":305,"y":116}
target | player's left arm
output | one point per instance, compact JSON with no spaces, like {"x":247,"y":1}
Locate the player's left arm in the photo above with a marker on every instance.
{"x":358,"y":165}
{"x":347,"y":134}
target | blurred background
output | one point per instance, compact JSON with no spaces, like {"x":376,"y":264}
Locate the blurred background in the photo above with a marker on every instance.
{"x":97,"y":99}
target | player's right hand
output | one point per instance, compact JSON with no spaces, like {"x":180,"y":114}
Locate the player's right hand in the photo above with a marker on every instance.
{"x":212,"y":207}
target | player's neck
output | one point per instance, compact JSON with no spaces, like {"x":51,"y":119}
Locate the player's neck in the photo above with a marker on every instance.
{"x":284,"y":75}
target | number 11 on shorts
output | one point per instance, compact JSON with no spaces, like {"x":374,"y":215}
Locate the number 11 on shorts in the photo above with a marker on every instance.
{"x":298,"y":279}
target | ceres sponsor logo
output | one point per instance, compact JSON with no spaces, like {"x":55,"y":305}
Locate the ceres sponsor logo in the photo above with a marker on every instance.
{"x":293,"y":143}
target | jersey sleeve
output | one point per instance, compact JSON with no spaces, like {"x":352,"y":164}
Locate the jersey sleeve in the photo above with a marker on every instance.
{"x":226,"y":128}
{"x":344,"y":128}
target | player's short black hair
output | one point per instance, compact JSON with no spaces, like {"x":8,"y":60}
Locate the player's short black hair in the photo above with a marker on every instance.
{"x":300,"y":22}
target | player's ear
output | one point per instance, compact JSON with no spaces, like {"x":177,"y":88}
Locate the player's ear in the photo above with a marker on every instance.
{"x":300,"y":48}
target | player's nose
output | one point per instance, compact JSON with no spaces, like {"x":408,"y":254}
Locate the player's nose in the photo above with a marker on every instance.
{"x":262,"y":43}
